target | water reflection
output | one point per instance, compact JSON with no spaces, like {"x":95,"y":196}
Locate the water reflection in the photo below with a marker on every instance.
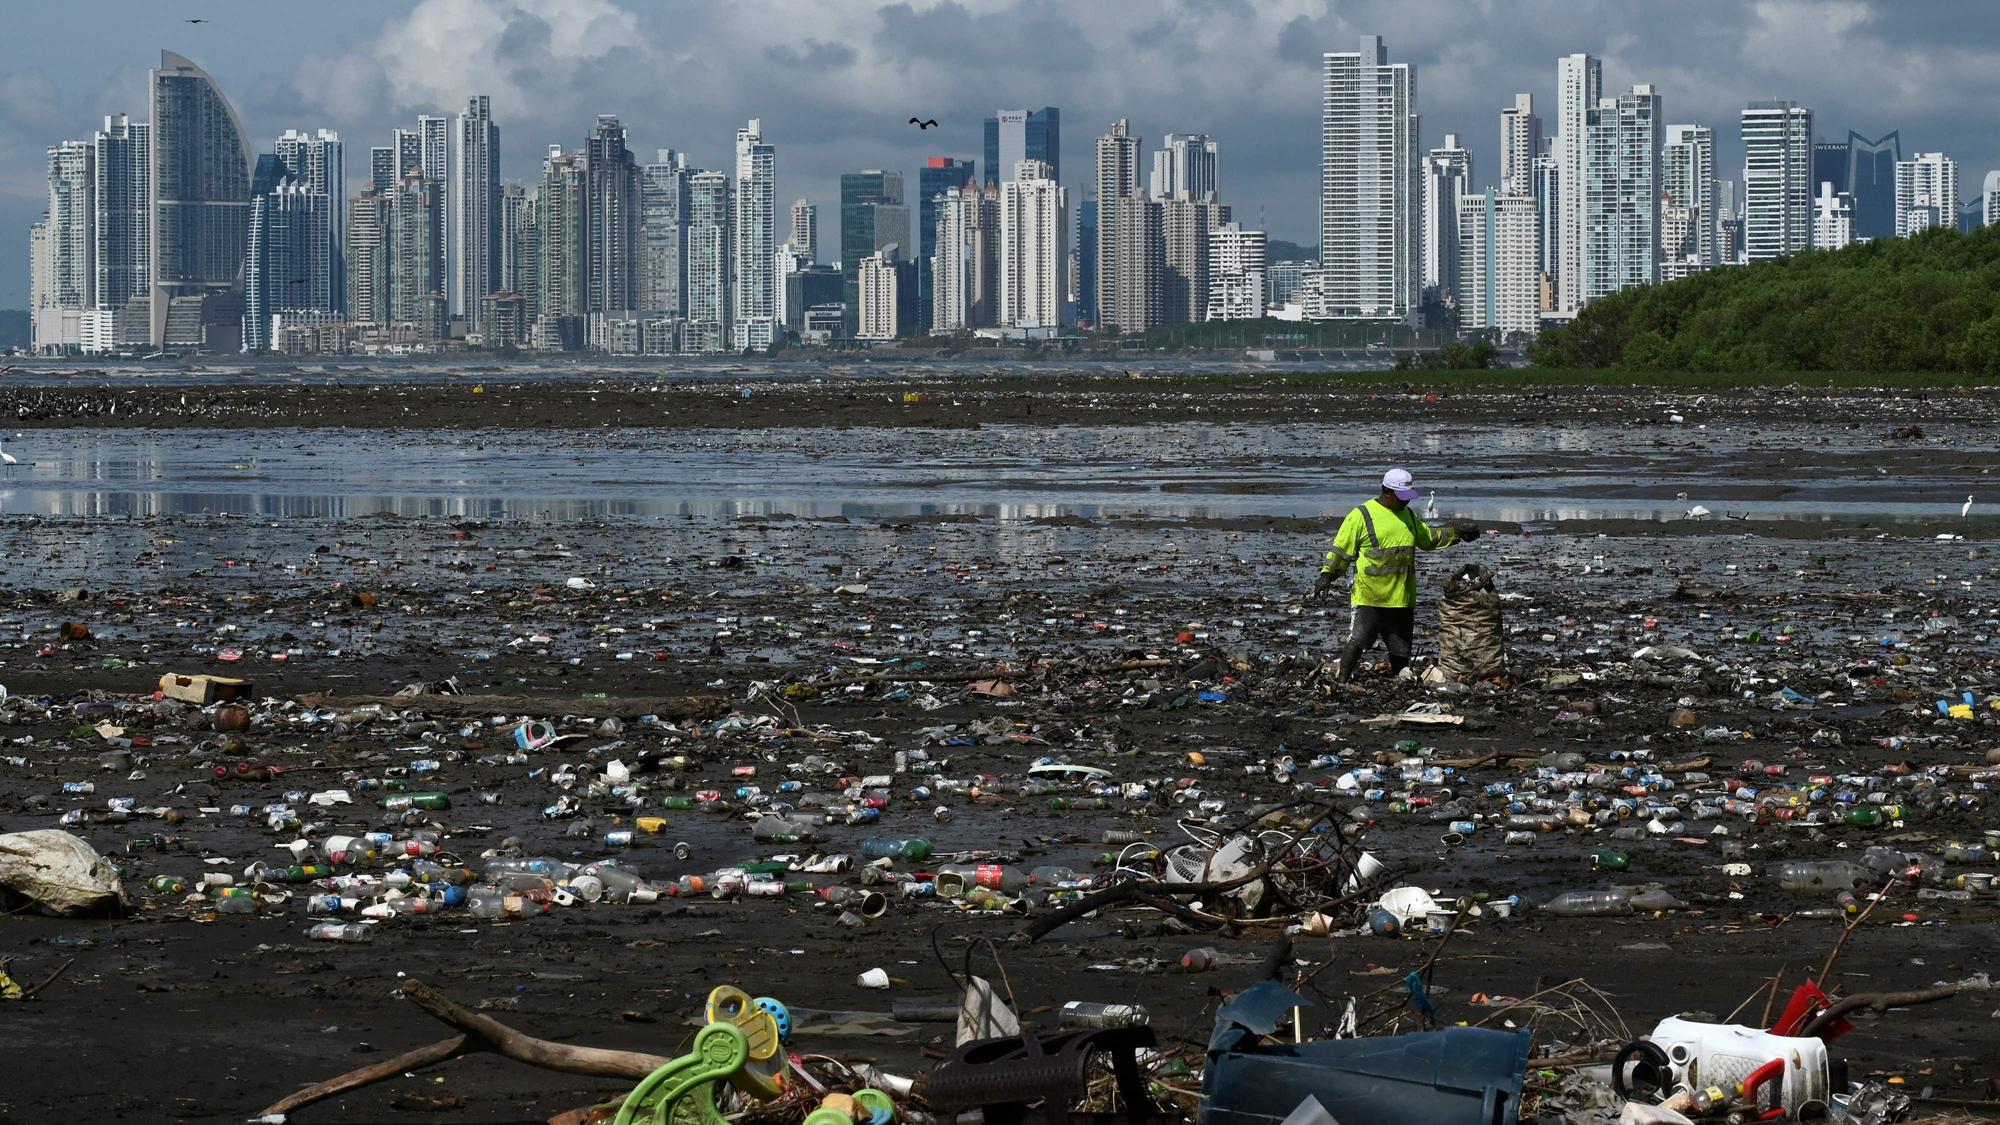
{"x":1189,"y":471}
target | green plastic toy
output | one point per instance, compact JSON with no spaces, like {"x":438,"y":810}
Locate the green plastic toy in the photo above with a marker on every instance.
{"x":741,"y":1046}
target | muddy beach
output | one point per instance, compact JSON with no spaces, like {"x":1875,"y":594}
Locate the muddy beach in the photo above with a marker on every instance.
{"x":580,"y":545}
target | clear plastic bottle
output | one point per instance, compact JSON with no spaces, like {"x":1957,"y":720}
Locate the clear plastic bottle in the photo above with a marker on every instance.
{"x":1047,"y":877}
{"x":1590,"y":904}
{"x":619,"y":884}
{"x":1820,"y":875}
{"x":535,"y":865}
{"x":342,"y":931}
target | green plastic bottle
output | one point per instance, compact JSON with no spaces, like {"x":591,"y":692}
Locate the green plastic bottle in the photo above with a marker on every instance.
{"x":1608,"y":859}
{"x":676,"y":801}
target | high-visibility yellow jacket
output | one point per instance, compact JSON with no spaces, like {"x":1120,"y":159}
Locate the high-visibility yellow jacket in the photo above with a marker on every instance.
{"x":1383,"y":545}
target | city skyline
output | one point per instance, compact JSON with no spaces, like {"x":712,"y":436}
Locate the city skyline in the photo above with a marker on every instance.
{"x":835,"y":95}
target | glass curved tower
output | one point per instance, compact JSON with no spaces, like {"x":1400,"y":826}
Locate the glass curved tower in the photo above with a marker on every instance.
{"x":200,"y":205}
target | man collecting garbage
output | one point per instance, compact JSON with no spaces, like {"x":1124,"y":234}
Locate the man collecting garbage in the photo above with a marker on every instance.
{"x":1381,"y":538}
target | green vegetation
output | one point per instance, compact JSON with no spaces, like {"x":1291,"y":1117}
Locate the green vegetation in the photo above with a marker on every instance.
{"x":1588,"y":379}
{"x":1479,"y":355}
{"x":1924,"y":304}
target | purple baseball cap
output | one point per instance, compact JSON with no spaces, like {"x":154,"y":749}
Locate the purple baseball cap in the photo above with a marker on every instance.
{"x":1398,"y":481}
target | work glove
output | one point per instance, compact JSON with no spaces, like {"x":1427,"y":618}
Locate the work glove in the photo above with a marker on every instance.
{"x":1320,"y":588}
{"x":1467,"y":532}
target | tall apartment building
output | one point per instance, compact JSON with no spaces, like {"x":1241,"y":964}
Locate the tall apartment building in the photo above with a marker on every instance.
{"x":1579,"y":88}
{"x":1185,"y":225}
{"x":612,"y":240}
{"x":1034,"y":248}
{"x":1777,"y":179}
{"x":318,"y":163}
{"x":1520,"y":143}
{"x":286,"y":266}
{"x":754,"y":298}
{"x":122,"y":164}
{"x":1926,"y":193}
{"x":709,"y":238}
{"x":562,"y":249}
{"x":1117,"y":176}
{"x":1446,"y":178}
{"x":938,"y":176}
{"x":476,"y":216}
{"x":1131,"y":263}
{"x":1833,"y":218}
{"x":416,"y":256}
{"x":878,"y":280}
{"x":1499,"y":279}
{"x":805,"y":229}
{"x":1622,"y":193}
{"x":367,"y":250}
{"x":1687,"y":184}
{"x":1237,"y":263}
{"x":663,"y":223}
{"x":1370,"y":240}
{"x":953,"y":214}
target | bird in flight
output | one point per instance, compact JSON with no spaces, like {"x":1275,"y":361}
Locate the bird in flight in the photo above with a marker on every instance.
{"x":925,"y":124}
{"x":194,"y":21}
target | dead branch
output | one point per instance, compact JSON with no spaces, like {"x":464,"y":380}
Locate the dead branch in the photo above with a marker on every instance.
{"x":990,"y":674}
{"x":418,"y":1059}
{"x":1875,"y":1001}
{"x":477,"y":1033}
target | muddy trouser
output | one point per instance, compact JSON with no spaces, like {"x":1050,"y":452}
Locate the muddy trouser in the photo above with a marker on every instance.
{"x":1395,"y":627}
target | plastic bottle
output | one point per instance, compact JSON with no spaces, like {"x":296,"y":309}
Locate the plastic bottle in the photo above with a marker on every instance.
{"x":1590,"y":904}
{"x":1084,"y":1013}
{"x":782,"y":830}
{"x":534,"y":865}
{"x":1819,"y":875}
{"x":428,"y":800}
{"x":491,"y":902}
{"x":342,"y":931}
{"x":915,"y":848}
{"x":1046,"y":877}
{"x":1607,"y":859}
{"x":620,"y":885}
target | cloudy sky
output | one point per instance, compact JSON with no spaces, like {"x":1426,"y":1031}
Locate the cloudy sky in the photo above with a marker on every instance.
{"x":835,"y":81}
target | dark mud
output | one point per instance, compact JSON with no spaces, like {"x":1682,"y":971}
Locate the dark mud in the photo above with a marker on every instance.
{"x":172,"y":1016}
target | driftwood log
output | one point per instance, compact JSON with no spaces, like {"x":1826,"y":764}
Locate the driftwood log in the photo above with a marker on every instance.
{"x":477,"y":1033}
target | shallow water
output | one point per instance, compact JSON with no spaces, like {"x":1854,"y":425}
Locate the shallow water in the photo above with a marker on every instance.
{"x":1178,"y":471}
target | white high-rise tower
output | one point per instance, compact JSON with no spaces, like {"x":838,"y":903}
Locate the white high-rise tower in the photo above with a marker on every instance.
{"x":1369,"y":236}
{"x":756,"y":239}
{"x":1777,"y":180}
{"x":1579,"y":86}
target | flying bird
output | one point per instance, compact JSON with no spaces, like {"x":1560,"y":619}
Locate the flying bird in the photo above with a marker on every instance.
{"x":924,"y":124}
{"x":194,"y":21}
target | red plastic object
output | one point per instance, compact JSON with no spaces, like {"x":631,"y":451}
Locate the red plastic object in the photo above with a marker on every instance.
{"x":1769,"y":1072}
{"x":1807,"y":1001}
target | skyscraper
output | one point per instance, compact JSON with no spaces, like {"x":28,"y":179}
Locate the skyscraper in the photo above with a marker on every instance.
{"x":72,"y":218}
{"x":953,"y":213}
{"x":709,"y":240}
{"x":507,"y":253}
{"x":1117,"y":178}
{"x":1499,"y":263}
{"x":805,"y":229}
{"x":123,"y":166}
{"x":1034,"y":248}
{"x":1687,"y":183}
{"x":1185,"y":225}
{"x":368,"y":264}
{"x":1520,"y":143}
{"x":1777,"y":174}
{"x":416,"y":258}
{"x":1132,"y":262}
{"x":938,"y":175}
{"x":1237,"y":262}
{"x":1871,"y":180}
{"x":286,"y":265}
{"x":434,"y":144}
{"x":318,"y":164}
{"x":1369,"y":236}
{"x":1579,"y":87}
{"x":1085,"y":245}
{"x":1185,"y":167}
{"x":563,"y":205}
{"x":1548,"y":193}
{"x":612,"y":234}
{"x":1014,"y":135}
{"x":1926,"y":193}
{"x":409,"y":146}
{"x":1447,"y":177}
{"x":475,"y":210}
{"x":872,"y":216}
{"x":200,"y":185}
{"x":1989,"y":199}
{"x":1622,"y":193}
{"x":663,"y":218}
{"x":755,"y":300}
